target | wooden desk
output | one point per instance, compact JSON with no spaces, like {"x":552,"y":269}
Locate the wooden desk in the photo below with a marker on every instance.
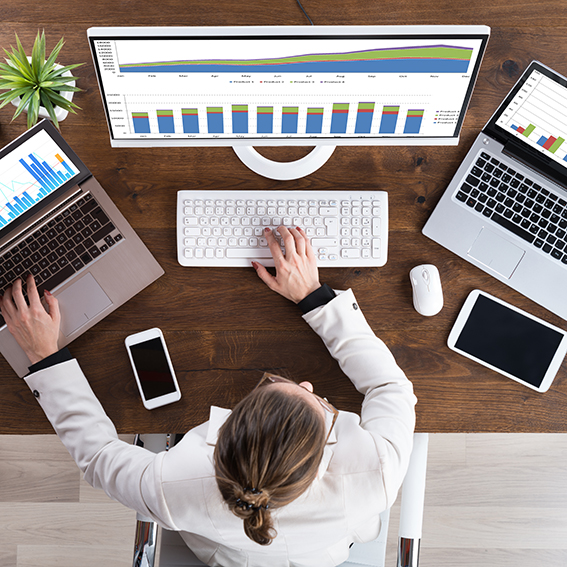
{"x":223,"y":326}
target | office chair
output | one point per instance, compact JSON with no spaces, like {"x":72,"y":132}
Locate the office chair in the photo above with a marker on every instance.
{"x":172,"y":551}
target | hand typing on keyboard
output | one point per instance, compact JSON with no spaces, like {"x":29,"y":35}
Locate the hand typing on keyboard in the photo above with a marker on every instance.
{"x":35,"y":329}
{"x":296,"y":271}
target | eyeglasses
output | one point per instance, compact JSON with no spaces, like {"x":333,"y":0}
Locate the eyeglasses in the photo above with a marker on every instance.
{"x":331,"y":411}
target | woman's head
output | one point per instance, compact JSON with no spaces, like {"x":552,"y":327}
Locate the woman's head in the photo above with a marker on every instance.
{"x":268,"y":453}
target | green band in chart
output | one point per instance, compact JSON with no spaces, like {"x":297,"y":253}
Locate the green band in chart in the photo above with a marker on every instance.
{"x":555,"y":146}
{"x":528,"y":130}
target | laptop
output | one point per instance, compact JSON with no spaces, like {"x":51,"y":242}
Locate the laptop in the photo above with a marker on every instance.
{"x":505,"y":210}
{"x":58,"y":223}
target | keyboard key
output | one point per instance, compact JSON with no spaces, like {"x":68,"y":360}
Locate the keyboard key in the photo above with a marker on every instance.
{"x":51,"y":281}
{"x":248,"y":253}
{"x":100,"y":234}
{"x":518,"y":231}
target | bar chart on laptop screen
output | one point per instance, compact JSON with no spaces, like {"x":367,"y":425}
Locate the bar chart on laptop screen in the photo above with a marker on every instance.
{"x":31,"y":172}
{"x":243,"y":88}
{"x":538,"y":115}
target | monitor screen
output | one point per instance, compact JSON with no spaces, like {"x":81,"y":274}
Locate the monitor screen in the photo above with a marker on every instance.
{"x":281,"y":85}
{"x":30,"y":171}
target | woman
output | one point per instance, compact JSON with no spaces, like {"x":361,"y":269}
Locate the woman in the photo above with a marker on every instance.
{"x":282,"y":480}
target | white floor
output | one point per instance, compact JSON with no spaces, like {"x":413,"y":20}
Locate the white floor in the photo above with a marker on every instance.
{"x":492,"y":500}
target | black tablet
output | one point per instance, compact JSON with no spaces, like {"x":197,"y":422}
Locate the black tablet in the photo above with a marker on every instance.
{"x":508,"y":340}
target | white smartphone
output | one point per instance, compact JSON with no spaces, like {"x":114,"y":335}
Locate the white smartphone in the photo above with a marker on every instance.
{"x":508,"y":340}
{"x":152,"y":368}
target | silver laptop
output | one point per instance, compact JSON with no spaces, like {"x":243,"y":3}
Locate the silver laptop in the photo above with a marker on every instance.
{"x":505,"y":210}
{"x":58,"y":223}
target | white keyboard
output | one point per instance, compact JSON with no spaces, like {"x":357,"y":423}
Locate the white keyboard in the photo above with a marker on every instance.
{"x":226,"y":228}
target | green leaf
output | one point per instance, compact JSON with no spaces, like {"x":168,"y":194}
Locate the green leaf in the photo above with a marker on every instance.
{"x":16,"y":79}
{"x":38,"y":54}
{"x":22,"y":58}
{"x":50,"y":62}
{"x":23,"y":103}
{"x":33,"y":109}
{"x":9,"y":96}
{"x":46,"y":103}
{"x":59,"y":72}
{"x":66,"y":88}
{"x":59,"y":81}
{"x":58,"y":99}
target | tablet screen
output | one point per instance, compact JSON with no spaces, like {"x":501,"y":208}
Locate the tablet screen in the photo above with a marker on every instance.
{"x":508,"y":340}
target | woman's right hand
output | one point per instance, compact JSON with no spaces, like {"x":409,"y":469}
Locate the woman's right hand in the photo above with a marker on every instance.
{"x":296,"y":272}
{"x":34,"y":329}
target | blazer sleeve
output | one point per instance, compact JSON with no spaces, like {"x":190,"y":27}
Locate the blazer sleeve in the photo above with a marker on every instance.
{"x":127,"y":473}
{"x":388,"y":408}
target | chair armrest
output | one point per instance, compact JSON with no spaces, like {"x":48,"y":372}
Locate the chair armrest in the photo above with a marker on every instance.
{"x":145,"y":543}
{"x":413,"y":497}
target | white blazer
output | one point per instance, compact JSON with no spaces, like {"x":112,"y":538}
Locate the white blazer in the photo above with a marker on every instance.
{"x":363,"y":465}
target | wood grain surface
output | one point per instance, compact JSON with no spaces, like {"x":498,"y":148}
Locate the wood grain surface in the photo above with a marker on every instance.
{"x":223,"y":326}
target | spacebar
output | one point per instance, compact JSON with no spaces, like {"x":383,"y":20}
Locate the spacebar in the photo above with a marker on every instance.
{"x":513,"y":227}
{"x":248,"y":253}
{"x":58,"y":278}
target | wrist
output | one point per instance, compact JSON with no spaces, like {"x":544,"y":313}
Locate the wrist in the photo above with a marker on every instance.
{"x":38,"y":356}
{"x":320,"y":296}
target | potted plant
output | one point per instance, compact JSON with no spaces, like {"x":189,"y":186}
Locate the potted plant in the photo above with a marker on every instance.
{"x":37,"y":85}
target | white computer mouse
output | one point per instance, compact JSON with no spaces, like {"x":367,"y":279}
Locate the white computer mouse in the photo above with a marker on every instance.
{"x":427,"y":291}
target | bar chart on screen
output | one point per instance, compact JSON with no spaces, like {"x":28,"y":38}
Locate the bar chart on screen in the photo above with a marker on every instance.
{"x":538,"y":115}
{"x":332,"y":118}
{"x":38,"y":168}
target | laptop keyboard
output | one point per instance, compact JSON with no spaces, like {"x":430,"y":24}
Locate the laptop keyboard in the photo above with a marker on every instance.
{"x":75,"y":237}
{"x":517,"y":204}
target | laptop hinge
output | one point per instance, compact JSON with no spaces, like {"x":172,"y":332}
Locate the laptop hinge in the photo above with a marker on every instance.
{"x":29,"y":229}
{"x":526,"y":158}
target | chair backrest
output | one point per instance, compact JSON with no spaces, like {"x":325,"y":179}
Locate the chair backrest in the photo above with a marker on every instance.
{"x":173,"y":552}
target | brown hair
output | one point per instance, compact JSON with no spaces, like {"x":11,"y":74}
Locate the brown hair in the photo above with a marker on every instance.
{"x":267,"y":454}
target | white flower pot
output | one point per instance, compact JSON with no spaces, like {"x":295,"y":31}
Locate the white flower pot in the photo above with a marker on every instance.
{"x":60,"y":113}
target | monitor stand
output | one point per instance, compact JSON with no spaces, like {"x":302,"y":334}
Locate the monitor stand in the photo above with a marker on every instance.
{"x":284,"y":171}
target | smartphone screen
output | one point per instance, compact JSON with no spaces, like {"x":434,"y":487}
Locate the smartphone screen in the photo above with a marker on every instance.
{"x":509,"y":340}
{"x":152,"y":368}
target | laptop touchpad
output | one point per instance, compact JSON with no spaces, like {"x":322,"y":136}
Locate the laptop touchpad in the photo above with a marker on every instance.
{"x":496,"y":253}
{"x":80,"y":302}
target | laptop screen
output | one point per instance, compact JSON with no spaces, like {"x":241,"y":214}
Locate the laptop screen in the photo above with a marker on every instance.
{"x":531,"y":122}
{"x":30,"y":172}
{"x":537,"y":116}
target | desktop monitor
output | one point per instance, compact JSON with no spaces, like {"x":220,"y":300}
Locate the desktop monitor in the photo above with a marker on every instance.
{"x":303,"y":86}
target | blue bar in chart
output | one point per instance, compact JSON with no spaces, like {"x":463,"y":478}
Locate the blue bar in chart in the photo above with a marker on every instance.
{"x":339,"y":118}
{"x":289,"y":119}
{"x":240,"y":119}
{"x":413,"y":121}
{"x":215,"y":123}
{"x":314,"y":120}
{"x":190,"y":118}
{"x":364,"y":118}
{"x":13,"y":209}
{"x":389,"y":119}
{"x":141,"y":122}
{"x":38,"y":176}
{"x":165,"y":121}
{"x":265,"y":119}
{"x":44,"y":170}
